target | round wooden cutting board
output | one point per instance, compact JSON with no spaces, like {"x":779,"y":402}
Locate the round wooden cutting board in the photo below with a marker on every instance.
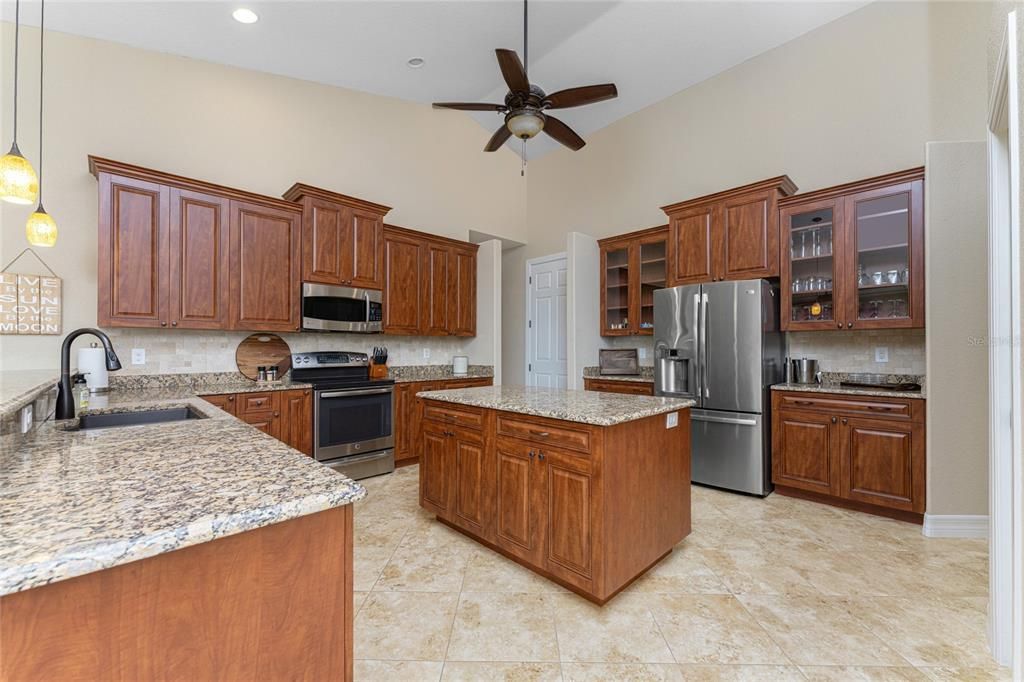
{"x":263,"y":350}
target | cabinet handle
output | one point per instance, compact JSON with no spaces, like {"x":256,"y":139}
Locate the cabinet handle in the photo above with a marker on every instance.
{"x":804,"y":402}
{"x":845,"y":420}
{"x":540,"y":456}
{"x":231,"y":398}
{"x":174,"y":324}
{"x":840,"y":325}
{"x":833,"y":420}
{"x":540,"y":434}
{"x":163,"y":324}
{"x":879,"y":408}
{"x":532,"y":453}
{"x":277,"y":414}
{"x":849,"y":325}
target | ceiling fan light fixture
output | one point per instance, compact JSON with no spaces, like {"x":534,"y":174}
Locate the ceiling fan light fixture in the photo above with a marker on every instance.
{"x":525,"y":124}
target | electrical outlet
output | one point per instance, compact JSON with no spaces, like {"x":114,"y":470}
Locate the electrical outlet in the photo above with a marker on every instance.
{"x":881,"y":354}
{"x":26,"y":418}
{"x":671,"y":420}
{"x":426,"y":353}
{"x":642,"y":353}
{"x":138,"y":356}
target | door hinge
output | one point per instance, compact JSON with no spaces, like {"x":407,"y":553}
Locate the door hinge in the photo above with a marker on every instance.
{"x":529,"y":367}
{"x":529,"y":324}
{"x":531,"y":280}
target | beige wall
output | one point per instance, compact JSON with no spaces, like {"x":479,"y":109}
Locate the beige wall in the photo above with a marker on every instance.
{"x":240,"y":128}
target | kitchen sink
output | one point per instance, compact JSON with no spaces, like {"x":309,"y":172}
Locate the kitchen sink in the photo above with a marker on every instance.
{"x":112,"y":419}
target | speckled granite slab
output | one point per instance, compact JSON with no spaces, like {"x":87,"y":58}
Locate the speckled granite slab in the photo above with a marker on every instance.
{"x":585,"y":407}
{"x":74,"y":502}
{"x":205,"y":383}
{"x":646,"y":375}
{"x":19,"y":387}
{"x":847,"y":390}
{"x":436,"y":373}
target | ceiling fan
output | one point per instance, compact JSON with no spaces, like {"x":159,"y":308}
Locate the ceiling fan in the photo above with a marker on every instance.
{"x":526,"y":104}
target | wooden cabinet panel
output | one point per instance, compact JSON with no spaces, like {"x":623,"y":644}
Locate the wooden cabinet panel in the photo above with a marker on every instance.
{"x":750,"y":238}
{"x":133,"y":252}
{"x":473,"y":504}
{"x":409,"y":413}
{"x":462,"y":284}
{"x":464,"y":416}
{"x":633,"y":267}
{"x":224,"y":402}
{"x":804,"y":454}
{"x":365,"y":259}
{"x":323,"y":224}
{"x":624,"y":387}
{"x":296,"y":419}
{"x":879,"y":464}
{"x":520,"y":524}
{"x":199,"y":260}
{"x":569,"y":529}
{"x":404,"y":426}
{"x":437,"y":469}
{"x":265,"y":249}
{"x":404,"y":262}
{"x":545,"y":433}
{"x":691,"y":245}
{"x":435,"y":290}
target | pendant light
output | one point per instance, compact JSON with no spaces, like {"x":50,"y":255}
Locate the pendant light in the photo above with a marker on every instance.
{"x":18,"y":182}
{"x":41,"y":229}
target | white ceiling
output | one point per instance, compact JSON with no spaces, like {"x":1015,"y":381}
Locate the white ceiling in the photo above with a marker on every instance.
{"x":650,"y":49}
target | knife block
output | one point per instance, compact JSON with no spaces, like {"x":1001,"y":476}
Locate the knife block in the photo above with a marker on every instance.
{"x":378,"y":371}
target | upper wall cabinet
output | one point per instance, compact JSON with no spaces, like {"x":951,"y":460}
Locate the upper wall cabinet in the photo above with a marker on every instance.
{"x":181,"y":253}
{"x":853,"y":255}
{"x":342,"y":238}
{"x":633,"y":267}
{"x":728,"y":235}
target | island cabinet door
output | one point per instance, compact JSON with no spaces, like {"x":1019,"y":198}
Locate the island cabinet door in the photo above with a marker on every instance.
{"x":473,"y":503}
{"x":437,"y":470}
{"x":883,"y":463}
{"x":805,"y":452}
{"x":521,"y":508}
{"x":569,"y":528}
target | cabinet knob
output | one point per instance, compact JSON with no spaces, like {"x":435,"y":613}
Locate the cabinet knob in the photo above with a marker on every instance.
{"x":845,"y":420}
{"x":277,"y":414}
{"x":540,"y":456}
{"x":849,"y":325}
{"x":163,"y":324}
{"x":231,"y":398}
{"x":833,"y":420}
{"x":840,"y":325}
{"x":174,"y":324}
{"x":532,"y":453}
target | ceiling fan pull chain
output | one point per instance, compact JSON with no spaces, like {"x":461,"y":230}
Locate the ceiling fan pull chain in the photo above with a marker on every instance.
{"x":522,"y":171}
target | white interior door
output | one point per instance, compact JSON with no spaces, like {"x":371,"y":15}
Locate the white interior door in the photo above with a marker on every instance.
{"x":547,"y":362}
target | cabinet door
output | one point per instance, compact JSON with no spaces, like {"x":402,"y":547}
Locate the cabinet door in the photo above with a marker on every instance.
{"x":473,"y":503}
{"x":363,"y":257}
{"x":265,"y":266}
{"x":403,"y":285}
{"x":404,"y":427}
{"x":225,"y":402}
{"x":616,"y":309}
{"x":805,"y":452}
{"x":520,"y":492}
{"x":692,"y":246}
{"x":883,"y":464}
{"x":322,"y":224}
{"x":462,"y":284}
{"x":296,"y":415}
{"x":435,"y":290}
{"x":884,"y":232}
{"x":133,"y":245}
{"x":200,"y":243}
{"x":811,"y":256}
{"x":651,"y":274}
{"x":568,"y":528}
{"x":437,"y":470}
{"x":747,"y":238}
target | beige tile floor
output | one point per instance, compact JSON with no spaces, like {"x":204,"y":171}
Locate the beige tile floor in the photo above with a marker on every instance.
{"x":773,"y":589}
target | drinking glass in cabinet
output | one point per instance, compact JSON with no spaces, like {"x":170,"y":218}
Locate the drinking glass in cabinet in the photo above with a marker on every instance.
{"x":882,"y":236}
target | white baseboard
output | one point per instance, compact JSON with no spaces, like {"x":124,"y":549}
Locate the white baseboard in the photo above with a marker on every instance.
{"x":955,"y":526}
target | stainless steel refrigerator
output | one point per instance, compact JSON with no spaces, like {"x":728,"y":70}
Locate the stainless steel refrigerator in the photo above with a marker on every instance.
{"x":719,"y":344}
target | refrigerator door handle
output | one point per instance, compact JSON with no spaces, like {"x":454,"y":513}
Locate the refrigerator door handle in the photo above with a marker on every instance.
{"x":723,"y":420}
{"x":705,"y":341}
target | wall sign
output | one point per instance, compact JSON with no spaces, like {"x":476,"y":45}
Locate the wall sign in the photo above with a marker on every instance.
{"x":30,"y":303}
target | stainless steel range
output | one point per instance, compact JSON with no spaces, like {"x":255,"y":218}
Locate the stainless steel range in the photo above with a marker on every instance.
{"x":353,"y":415}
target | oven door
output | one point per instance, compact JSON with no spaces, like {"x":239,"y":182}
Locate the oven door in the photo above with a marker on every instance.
{"x":341,"y":309}
{"x":352,"y":422}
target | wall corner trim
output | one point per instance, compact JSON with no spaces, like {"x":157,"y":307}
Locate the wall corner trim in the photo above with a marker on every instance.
{"x":955,"y":526}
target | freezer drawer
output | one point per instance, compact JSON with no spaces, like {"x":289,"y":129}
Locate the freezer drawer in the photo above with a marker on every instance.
{"x":730,"y":450}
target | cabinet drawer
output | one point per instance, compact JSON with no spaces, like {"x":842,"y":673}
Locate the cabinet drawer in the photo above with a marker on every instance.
{"x":465,"y":383}
{"x":896,"y":408}
{"x":225,"y":402}
{"x":470,"y":417}
{"x":541,"y":433}
{"x":626,"y":387}
{"x":250,"y":404}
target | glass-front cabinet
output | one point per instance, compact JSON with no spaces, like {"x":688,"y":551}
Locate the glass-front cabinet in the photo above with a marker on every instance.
{"x":853,"y":256}
{"x":633,"y":267}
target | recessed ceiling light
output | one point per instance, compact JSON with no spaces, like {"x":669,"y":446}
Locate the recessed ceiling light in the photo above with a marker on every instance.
{"x":245,"y":16}
{"x":416,"y":62}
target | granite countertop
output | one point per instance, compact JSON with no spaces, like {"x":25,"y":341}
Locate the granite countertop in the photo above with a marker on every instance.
{"x":74,"y":502}
{"x":848,"y":390}
{"x":19,"y":387}
{"x":409,"y":373}
{"x":585,"y":407}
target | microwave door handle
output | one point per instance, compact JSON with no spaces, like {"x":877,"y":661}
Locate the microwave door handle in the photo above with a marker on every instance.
{"x":366,"y":297}
{"x":346,"y":394}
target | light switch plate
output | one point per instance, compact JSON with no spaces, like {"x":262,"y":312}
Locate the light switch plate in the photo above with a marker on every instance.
{"x":671,"y":420}
{"x":138,"y":356}
{"x":26,"y":418}
{"x":426,"y":353}
{"x":881,"y":354}
{"x":642,"y":352}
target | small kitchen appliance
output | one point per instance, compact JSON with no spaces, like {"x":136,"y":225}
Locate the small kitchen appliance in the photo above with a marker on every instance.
{"x":618,"y":361}
{"x":460,"y":365}
{"x":329,"y":308}
{"x":805,"y":370}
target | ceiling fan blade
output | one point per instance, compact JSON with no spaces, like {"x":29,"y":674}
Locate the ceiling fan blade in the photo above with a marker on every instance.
{"x":498,"y":139}
{"x":577,"y":97}
{"x":563,"y":133}
{"x":512,"y":70}
{"x":469,"y":106}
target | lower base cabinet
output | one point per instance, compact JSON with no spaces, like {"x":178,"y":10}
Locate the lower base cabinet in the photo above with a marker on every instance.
{"x":619,"y":386}
{"x":858,"y":451}
{"x":285,"y":415}
{"x":407,"y":416}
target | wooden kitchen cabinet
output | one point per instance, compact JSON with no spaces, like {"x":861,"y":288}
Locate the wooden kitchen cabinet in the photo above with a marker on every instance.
{"x":181,"y":253}
{"x":296,"y":419}
{"x":520,"y":501}
{"x":429,"y":284}
{"x":407,"y":412}
{"x":614,"y":386}
{"x":730,"y":235}
{"x":286,"y":415}
{"x":342,"y":238}
{"x":863,"y":452}
{"x":853,"y":255}
{"x":633,"y":267}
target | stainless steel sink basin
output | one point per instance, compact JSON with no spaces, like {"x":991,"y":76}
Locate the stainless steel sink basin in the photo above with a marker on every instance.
{"x":112,"y":419}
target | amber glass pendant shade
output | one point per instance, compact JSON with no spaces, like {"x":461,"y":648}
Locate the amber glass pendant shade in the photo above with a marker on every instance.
{"x":41,"y":229}
{"x":18,"y":181}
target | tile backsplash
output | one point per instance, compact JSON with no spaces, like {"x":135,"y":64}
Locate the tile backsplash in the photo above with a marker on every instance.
{"x":854,"y":351}
{"x":186,"y":351}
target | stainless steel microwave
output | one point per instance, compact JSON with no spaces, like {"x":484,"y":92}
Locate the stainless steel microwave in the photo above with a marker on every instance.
{"x":328,"y":308}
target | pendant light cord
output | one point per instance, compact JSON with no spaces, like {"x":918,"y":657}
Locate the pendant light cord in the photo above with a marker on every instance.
{"x":42,"y":22}
{"x":17,"y":28}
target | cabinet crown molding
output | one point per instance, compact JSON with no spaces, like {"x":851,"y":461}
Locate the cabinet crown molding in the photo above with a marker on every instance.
{"x":417,"y":235}
{"x":98,"y":165}
{"x":782,"y":183}
{"x":299,"y":190}
{"x":646,"y":232}
{"x":909,"y":175}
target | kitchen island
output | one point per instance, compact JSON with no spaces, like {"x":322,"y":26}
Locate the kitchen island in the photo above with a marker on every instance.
{"x":587,"y":489}
{"x":196,"y":549}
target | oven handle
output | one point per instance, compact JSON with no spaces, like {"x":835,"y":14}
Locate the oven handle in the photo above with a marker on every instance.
{"x":345,"y":394}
